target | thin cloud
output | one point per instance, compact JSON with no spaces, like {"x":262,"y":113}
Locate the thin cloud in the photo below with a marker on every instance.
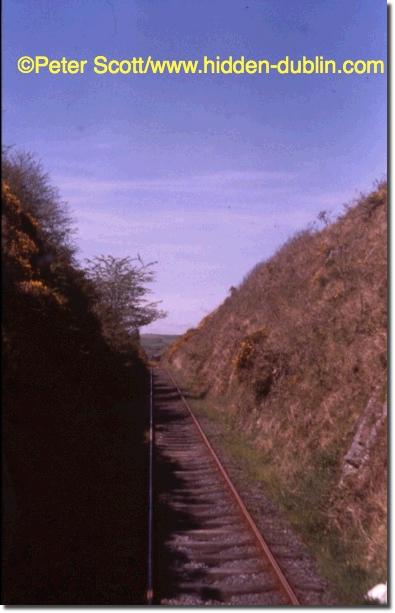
{"x":102,"y":226}
{"x":193,"y":183}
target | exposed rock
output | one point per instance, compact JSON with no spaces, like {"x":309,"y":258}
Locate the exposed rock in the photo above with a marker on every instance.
{"x":367,"y":429}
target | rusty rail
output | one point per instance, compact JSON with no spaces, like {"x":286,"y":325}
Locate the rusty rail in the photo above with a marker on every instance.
{"x":263,"y":546}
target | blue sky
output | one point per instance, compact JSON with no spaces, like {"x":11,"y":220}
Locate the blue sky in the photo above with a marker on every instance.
{"x":208,"y":175}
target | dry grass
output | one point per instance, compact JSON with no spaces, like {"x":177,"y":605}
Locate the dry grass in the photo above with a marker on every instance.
{"x":297,"y":351}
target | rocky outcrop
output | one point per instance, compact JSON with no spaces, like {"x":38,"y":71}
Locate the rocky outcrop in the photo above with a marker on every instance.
{"x":367,"y":429}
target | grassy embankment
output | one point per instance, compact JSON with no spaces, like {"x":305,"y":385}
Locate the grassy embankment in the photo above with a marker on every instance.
{"x":293,"y":364}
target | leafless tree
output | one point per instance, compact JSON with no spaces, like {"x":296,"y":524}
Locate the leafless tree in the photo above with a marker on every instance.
{"x":122,"y":289}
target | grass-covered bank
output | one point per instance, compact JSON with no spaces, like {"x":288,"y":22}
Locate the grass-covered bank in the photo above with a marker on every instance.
{"x":297,"y":356}
{"x":304,"y":502}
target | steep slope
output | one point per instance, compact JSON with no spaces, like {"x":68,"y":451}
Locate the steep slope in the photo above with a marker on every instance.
{"x":296,"y":355}
{"x":74,"y":477}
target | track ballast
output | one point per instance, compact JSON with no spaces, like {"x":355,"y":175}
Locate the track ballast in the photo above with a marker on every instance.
{"x":207,"y":549}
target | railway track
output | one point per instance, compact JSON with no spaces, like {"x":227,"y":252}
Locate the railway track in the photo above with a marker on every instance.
{"x":206,"y":548}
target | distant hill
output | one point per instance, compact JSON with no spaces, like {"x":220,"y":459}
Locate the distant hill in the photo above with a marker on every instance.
{"x":296,"y":356}
{"x":155,"y":344}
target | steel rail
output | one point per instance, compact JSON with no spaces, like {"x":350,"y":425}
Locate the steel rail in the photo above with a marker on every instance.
{"x":263,"y":546}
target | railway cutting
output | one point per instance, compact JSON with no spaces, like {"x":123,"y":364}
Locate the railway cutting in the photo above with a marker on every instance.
{"x":207,"y":549}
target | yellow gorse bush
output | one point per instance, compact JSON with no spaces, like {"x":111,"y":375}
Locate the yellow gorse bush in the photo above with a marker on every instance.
{"x":38,"y":288}
{"x":244,"y":356}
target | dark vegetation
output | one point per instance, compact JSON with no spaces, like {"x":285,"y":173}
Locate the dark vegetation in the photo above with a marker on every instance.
{"x":74,"y":414}
{"x":294,"y":364}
